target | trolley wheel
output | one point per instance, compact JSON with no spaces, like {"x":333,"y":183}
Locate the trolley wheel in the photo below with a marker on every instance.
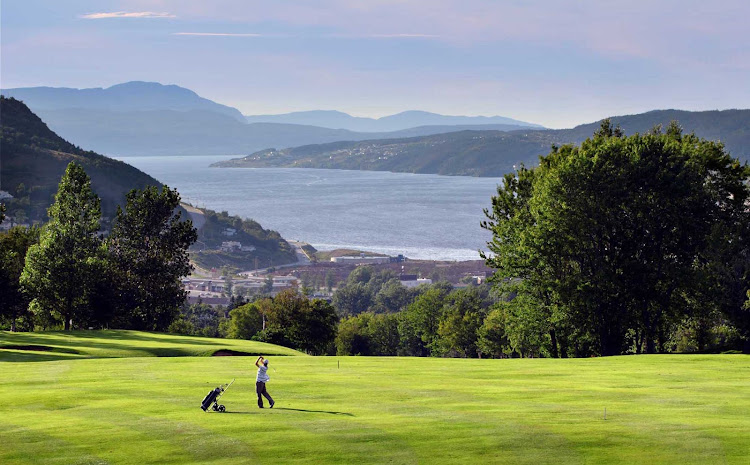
{"x":215,"y":407}
{"x":222,"y":408}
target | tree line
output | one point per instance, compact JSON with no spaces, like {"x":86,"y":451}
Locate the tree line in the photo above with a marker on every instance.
{"x":624,"y":244}
{"x":69,"y":273}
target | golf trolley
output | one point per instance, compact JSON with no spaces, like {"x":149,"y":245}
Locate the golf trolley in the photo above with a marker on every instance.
{"x":212,"y":399}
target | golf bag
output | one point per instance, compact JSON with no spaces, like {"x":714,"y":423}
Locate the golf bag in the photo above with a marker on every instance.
{"x":212,"y":399}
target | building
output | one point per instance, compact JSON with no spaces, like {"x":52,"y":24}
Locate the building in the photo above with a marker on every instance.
{"x":230,"y":246}
{"x":361,"y":260}
{"x":411,"y":280}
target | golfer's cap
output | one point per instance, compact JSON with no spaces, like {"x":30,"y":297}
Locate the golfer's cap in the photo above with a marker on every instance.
{"x":265,"y":361}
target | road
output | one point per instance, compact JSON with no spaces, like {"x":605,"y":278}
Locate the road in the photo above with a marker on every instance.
{"x":302,"y":260}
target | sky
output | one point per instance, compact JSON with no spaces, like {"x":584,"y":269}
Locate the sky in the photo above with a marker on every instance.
{"x":553,"y":62}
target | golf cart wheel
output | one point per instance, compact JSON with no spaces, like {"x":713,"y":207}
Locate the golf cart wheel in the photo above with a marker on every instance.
{"x":222,"y":408}
{"x":215,"y":408}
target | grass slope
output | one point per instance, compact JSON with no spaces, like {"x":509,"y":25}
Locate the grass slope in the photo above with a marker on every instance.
{"x":60,"y":345}
{"x":679,"y":409}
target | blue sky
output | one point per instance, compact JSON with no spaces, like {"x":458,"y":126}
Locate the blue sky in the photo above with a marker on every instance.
{"x":557,"y":63}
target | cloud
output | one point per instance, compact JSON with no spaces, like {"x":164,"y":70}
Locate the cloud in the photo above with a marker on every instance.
{"x":216,"y":34}
{"x":325,"y":36}
{"x":128,"y":14}
{"x":403,"y":36}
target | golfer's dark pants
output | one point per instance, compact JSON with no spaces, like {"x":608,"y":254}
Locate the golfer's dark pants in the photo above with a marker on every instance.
{"x":260,"y":388}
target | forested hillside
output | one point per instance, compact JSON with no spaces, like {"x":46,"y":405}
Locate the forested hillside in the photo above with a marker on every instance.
{"x":492,"y":153}
{"x":34,"y":158}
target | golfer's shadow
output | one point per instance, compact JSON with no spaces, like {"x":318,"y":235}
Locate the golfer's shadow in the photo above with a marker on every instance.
{"x":314,"y":411}
{"x":300,"y":410}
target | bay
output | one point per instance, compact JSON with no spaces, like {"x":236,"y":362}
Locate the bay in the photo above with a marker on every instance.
{"x":422,"y":216}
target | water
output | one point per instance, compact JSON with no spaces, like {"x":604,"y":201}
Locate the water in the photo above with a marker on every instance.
{"x":422,"y":216}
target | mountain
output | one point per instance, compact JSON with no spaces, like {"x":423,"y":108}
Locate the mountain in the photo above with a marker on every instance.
{"x":35,"y":157}
{"x":126,"y":97}
{"x":199,"y":132}
{"x":398,"y":122}
{"x":147,"y":118}
{"x":491,"y":153}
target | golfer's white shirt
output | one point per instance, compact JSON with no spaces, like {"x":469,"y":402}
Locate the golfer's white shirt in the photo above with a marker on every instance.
{"x":262,"y":374}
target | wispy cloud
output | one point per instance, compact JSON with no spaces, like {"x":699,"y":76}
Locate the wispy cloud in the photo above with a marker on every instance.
{"x":128,"y":14}
{"x":217,"y":34}
{"x":309,"y":36}
{"x":403,"y":36}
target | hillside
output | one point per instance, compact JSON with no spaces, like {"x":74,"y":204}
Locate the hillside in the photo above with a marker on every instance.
{"x":490,"y":153}
{"x":34,"y":159}
{"x":268,"y":247}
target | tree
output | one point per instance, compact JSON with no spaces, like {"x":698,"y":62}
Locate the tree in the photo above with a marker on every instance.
{"x":60,"y":271}
{"x":352,"y":298}
{"x":294,"y":321}
{"x":383,"y":334}
{"x":228,"y":281}
{"x":148,"y":254}
{"x":330,"y":280}
{"x":267,"y":288}
{"x":492,"y":340}
{"x":392,"y":297}
{"x":419,"y":322}
{"x":608,"y":238}
{"x":246,"y":321}
{"x":353,"y":336}
{"x":13,"y":248}
{"x":368,"y":334}
{"x":462,"y":315}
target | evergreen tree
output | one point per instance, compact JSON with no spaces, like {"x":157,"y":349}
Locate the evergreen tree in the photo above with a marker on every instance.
{"x":61,"y":271}
{"x":148,"y":255}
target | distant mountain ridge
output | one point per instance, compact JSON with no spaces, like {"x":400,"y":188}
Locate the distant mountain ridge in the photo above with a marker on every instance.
{"x":147,"y":118}
{"x":401,"y":121}
{"x":491,"y":153}
{"x":129,"y":96}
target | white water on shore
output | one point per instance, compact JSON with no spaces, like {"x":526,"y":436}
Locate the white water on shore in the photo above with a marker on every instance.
{"x":422,"y":216}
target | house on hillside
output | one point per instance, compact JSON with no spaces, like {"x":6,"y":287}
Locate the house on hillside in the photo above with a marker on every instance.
{"x":230,"y":246}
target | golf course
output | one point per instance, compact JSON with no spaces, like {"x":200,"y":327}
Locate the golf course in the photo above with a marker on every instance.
{"x":128,"y":397}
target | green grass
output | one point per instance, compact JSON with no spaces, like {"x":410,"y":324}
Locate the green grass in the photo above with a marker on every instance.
{"x":681,"y":409}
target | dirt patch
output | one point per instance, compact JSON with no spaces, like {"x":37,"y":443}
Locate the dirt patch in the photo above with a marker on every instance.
{"x":230,"y":353}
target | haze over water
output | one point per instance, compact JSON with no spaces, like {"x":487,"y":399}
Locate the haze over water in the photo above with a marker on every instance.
{"x":422,"y":216}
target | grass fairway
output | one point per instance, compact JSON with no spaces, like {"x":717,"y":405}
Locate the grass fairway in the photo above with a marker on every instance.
{"x":679,"y":409}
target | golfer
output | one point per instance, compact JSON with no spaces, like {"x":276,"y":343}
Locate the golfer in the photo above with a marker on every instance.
{"x":261,"y":380}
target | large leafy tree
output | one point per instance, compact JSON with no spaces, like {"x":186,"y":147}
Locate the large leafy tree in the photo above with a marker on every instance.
{"x":420,"y":321}
{"x":14,"y":245}
{"x":462,"y":317}
{"x":62,"y":270}
{"x":148,"y":256}
{"x":292,"y":320}
{"x":606,"y":242}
